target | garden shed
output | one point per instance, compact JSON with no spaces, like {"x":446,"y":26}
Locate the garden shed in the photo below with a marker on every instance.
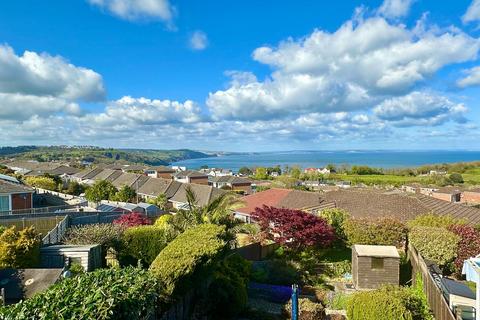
{"x":56,"y":256}
{"x":373,"y":266}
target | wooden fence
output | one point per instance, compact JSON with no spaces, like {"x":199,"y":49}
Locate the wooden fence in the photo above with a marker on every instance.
{"x":435,"y":298}
{"x":56,"y":234}
{"x":256,"y":251}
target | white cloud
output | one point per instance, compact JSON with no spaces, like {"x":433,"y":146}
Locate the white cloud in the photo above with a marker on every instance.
{"x":473,"y":12}
{"x":132,"y":112}
{"x":395,"y":8}
{"x":137,"y":9}
{"x":472,"y":78}
{"x":353,"y":68}
{"x":45,"y":75}
{"x":420,"y":108}
{"x":198,"y":40}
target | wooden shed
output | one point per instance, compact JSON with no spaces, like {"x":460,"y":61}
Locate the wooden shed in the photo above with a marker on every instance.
{"x":56,"y":256}
{"x":373,"y":266}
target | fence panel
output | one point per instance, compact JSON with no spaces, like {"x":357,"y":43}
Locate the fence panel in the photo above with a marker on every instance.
{"x":435,"y":298}
{"x":56,"y":234}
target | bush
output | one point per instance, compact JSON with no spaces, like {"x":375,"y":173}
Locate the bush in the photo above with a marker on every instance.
{"x":468,"y":246}
{"x":456,"y":178}
{"x":227,"y":294}
{"x":187,"y":256}
{"x":163,"y":220}
{"x":144,"y":243}
{"x":127,"y":293}
{"x":436,"y":244}
{"x":389,"y":302}
{"x":42,"y":182}
{"x":19,"y":249}
{"x":125,"y":194}
{"x":336,"y":218}
{"x":384,"y":231}
{"x":308,"y":310}
{"x":100,"y":190}
{"x":105,"y":234}
{"x":132,"y":220}
{"x":277,"y":272}
{"x":338,"y":301}
{"x":434,"y":220}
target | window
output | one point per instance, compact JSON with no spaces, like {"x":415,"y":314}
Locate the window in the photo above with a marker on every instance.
{"x":377,"y":263}
{"x":4,"y":203}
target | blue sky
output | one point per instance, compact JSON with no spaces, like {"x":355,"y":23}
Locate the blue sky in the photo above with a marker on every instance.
{"x":243,"y":75}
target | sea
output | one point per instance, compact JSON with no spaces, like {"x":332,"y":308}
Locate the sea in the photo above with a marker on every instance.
{"x":307,"y":159}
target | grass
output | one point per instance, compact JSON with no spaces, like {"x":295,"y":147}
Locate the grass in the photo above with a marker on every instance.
{"x":339,"y":301}
{"x":472,"y":176}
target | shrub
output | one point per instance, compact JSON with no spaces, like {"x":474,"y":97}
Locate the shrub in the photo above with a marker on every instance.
{"x":336,"y":218}
{"x":308,"y":310}
{"x":227,"y":294}
{"x":294,"y":228}
{"x":389,"y":302}
{"x":42,"y":182}
{"x":338,"y":269}
{"x":277,"y":272}
{"x":384,"y":231}
{"x":338,"y":301}
{"x":163,"y":220}
{"x":19,"y":249}
{"x":132,"y":220}
{"x":144,"y":243}
{"x":100,"y":190}
{"x":187,"y":256}
{"x":105,"y":234}
{"x":127,"y":293}
{"x":434,"y":220}
{"x":456,"y":178}
{"x":468,"y":246}
{"x":125,"y":194}
{"x":436,"y":244}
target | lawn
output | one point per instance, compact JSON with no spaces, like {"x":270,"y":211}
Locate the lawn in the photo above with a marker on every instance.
{"x":472,"y":176}
{"x":381,"y":179}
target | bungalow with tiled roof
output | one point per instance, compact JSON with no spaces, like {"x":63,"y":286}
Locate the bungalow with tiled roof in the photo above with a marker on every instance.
{"x":282,"y":198}
{"x":14,"y":196}
{"x":232,"y":183}
{"x":190,"y":176}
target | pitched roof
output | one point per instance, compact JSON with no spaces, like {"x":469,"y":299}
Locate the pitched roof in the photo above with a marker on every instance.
{"x":127,"y":179}
{"x":9,"y":178}
{"x":456,"y":210}
{"x":203,"y":193}
{"x":104,"y":174}
{"x":230,"y":179}
{"x":154,"y":187}
{"x":190,"y":174}
{"x":281,"y":198}
{"x":10,"y":187}
{"x":448,"y":190}
{"x":162,"y":169}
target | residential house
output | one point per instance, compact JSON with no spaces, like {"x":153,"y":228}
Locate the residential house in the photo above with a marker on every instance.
{"x":154,"y":187}
{"x":282,"y":198}
{"x":15,"y":196}
{"x":471,"y":196}
{"x":323,"y":171}
{"x":179,"y":168}
{"x":411,"y":188}
{"x":232,"y":183}
{"x":217,"y":172}
{"x":160,"y":172}
{"x":204,"y":195}
{"x":190,"y":176}
{"x":437,"y":172}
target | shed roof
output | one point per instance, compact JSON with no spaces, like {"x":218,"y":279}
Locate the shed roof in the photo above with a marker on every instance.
{"x":376,"y":251}
{"x":457,"y":288}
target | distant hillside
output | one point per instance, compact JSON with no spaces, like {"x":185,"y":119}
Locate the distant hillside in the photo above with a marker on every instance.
{"x":99,"y":155}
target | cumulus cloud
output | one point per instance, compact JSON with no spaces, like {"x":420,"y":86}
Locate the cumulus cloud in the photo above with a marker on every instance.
{"x":137,"y":9}
{"x":472,"y":78}
{"x":395,"y":8}
{"x":198,"y":40}
{"x":420,"y":108}
{"x":42,"y":85}
{"x":129,"y":111}
{"x":473,"y":12}
{"x":353,"y":68}
{"x":45,"y":75}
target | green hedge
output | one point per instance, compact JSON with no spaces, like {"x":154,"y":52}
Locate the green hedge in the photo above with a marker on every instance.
{"x":383,"y":231}
{"x":144,"y":243}
{"x":436,"y":244}
{"x":434,"y":220}
{"x":195,"y":248}
{"x":390,"y":302}
{"x":127,"y":293}
{"x":19,"y":249}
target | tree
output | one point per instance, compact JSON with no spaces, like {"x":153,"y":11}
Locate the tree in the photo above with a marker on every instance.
{"x":75,"y":188}
{"x":245,"y":171}
{"x":261,"y":173}
{"x":456,"y":178}
{"x":100,"y":190}
{"x":132,"y":220}
{"x":160,"y":201}
{"x":125,"y":194}
{"x":295,"y":172}
{"x":19,"y":249}
{"x":294,"y":228}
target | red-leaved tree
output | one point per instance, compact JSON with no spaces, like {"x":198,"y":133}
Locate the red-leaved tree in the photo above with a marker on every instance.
{"x":132,"y":220}
{"x":469,"y":245}
{"x":294,"y":228}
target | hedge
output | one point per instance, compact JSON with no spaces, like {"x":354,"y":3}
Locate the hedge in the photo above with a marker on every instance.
{"x":144,"y":243}
{"x":436,"y":244}
{"x":434,"y":220}
{"x":19,"y":249}
{"x":105,"y":234}
{"x":127,"y":293}
{"x":389,"y":302}
{"x":193,"y":250}
{"x":384,"y":231}
{"x":336,"y":218}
